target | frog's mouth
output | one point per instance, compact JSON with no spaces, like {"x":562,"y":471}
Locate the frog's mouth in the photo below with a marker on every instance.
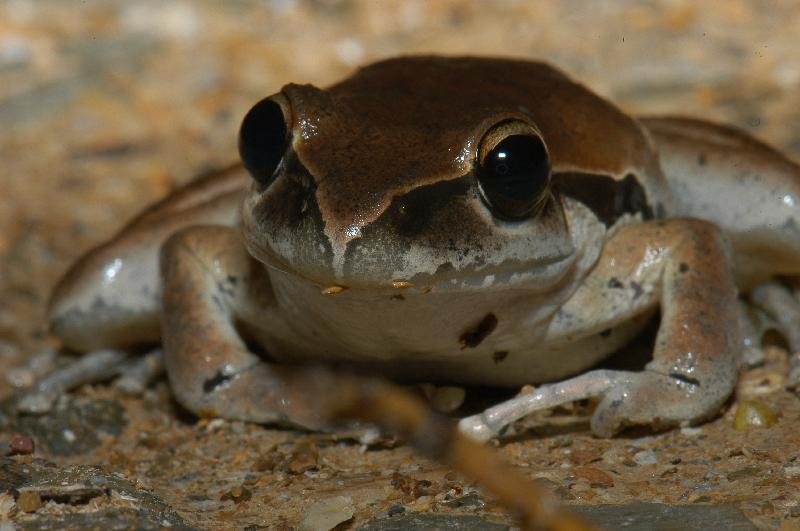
{"x":511,"y":274}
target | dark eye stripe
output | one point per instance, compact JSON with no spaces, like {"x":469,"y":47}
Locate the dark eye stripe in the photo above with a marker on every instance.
{"x":607,"y":197}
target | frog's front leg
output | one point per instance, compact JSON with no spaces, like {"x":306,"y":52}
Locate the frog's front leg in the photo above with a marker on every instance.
{"x":209,"y":282}
{"x":685,"y":266}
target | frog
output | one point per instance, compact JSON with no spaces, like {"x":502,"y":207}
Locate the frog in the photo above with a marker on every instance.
{"x":469,"y":220}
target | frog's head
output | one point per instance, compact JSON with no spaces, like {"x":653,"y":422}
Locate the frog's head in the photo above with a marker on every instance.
{"x":423,"y":170}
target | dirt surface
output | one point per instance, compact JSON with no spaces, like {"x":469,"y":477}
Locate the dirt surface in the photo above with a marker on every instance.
{"x":107,"y":106}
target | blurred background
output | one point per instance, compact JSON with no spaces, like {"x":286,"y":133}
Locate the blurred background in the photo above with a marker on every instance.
{"x":107,"y":105}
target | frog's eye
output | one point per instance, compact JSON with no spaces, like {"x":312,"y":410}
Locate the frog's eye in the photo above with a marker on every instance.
{"x":514,"y":170}
{"x":263,"y":139}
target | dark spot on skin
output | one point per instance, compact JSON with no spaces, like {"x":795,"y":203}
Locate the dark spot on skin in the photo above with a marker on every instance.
{"x":213,"y":383}
{"x":683,"y":267}
{"x":398,"y":297}
{"x":226,"y":288}
{"x":614,"y":283}
{"x":475,"y":335}
{"x":218,"y":302}
{"x":232,"y":280}
{"x":605,"y":333}
{"x":701,"y":159}
{"x":685,"y":379}
{"x":499,"y":356}
{"x":637,"y":290}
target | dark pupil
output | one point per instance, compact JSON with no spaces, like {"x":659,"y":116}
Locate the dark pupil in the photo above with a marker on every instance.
{"x":515,"y":174}
{"x":262,"y":140}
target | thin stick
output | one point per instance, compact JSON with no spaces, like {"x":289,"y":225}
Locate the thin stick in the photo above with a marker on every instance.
{"x":436,"y":436}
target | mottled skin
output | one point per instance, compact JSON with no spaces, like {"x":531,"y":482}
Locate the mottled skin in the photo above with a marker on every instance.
{"x":371,"y":247}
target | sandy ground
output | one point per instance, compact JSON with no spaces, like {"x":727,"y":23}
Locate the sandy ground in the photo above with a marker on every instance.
{"x":107,"y":106}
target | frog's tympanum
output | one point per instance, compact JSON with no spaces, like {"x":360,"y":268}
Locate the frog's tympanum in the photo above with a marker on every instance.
{"x":469,"y":220}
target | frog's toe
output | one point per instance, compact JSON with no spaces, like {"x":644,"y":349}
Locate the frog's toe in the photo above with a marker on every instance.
{"x":779,"y":302}
{"x":135,"y":374}
{"x":92,"y":367}
{"x":140,"y":372}
{"x":652,"y":399}
{"x":264,"y":393}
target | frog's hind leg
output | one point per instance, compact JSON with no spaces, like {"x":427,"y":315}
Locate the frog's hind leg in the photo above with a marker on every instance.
{"x":98,"y":365}
{"x":754,"y":323}
{"x":746,"y":188}
{"x":783,"y":306}
{"x":109,"y":300}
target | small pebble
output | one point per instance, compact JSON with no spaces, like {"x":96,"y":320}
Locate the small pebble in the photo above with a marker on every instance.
{"x":304,"y":457}
{"x":792,"y":471}
{"x":215,"y":424}
{"x":7,"y":506}
{"x":29,"y":501}
{"x":394,"y":510}
{"x":754,"y":414}
{"x":20,"y":445}
{"x":645,"y":457}
{"x":327,"y":514}
{"x":447,"y":399}
{"x":596,"y":477}
{"x":237,"y":495}
{"x":472,"y":500}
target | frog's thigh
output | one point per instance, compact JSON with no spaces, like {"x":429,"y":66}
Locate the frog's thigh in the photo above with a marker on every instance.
{"x":694,"y":362}
{"x":110,"y":297}
{"x":208,"y":276}
{"x":748,"y":189}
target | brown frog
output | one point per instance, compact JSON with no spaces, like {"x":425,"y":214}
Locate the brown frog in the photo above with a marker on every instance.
{"x":470,"y":220}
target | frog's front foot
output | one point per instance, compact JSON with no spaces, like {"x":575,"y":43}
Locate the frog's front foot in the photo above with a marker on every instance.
{"x":697,"y":347}
{"x":491,"y":422}
{"x":646,"y":398}
{"x":657,"y":400}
